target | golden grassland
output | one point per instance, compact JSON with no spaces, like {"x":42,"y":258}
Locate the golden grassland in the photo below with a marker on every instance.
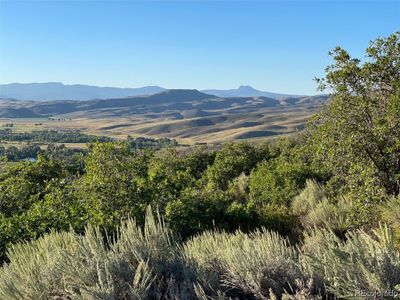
{"x":265,"y":124}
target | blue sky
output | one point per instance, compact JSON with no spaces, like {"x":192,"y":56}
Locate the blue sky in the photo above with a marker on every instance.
{"x":271,"y":45}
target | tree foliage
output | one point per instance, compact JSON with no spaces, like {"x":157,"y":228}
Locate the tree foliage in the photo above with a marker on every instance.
{"x":358,"y":132}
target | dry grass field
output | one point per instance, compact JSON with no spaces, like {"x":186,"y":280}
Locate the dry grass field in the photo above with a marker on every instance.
{"x":188,"y":116}
{"x":266,"y":123}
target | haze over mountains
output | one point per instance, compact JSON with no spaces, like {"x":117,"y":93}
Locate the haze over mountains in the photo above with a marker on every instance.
{"x":58,"y":91}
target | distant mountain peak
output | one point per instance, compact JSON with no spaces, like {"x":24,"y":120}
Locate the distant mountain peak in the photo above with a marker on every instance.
{"x":59,"y":91}
{"x":180,"y":91}
{"x":246,"y":91}
{"x":183,"y":94}
{"x":246,"y":87}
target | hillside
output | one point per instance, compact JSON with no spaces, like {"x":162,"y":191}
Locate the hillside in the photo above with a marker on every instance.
{"x":188,"y":115}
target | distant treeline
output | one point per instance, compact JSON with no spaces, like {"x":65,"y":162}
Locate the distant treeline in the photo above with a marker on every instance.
{"x":144,"y":143}
{"x":31,"y":150}
{"x":16,"y":154}
{"x":51,"y":136}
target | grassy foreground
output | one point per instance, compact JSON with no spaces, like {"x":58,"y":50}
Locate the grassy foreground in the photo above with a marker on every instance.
{"x":151,"y":263}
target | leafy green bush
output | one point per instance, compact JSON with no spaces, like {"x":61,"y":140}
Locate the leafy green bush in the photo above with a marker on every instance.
{"x":199,"y":210}
{"x":357,"y":134}
{"x":230,"y":161}
{"x":280,"y":219}
{"x":170,"y":172}
{"x":277,"y":181}
{"x":25,"y":183}
{"x":115,"y":182}
{"x":23,"y":187}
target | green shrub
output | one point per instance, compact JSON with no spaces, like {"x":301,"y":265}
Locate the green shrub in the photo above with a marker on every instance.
{"x":329,"y":215}
{"x":280,"y":219}
{"x":277,"y":181}
{"x":244,"y":265}
{"x":33,"y":269}
{"x":138,"y":264}
{"x":200,"y":210}
{"x":171,"y":171}
{"x":309,"y":197}
{"x":315,"y":210}
{"x":149,"y":263}
{"x":390,"y":214}
{"x":115,"y":182}
{"x":361,"y":263}
{"x":93,"y":271}
{"x":25,"y":183}
{"x":230,"y":161}
{"x":197,"y":211}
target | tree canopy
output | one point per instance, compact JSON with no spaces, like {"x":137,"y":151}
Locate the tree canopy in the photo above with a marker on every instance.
{"x":358,"y":133}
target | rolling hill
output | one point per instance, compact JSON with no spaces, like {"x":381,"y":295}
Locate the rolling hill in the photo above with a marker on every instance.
{"x":187,"y":115}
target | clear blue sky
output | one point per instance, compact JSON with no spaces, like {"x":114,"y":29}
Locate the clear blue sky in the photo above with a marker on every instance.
{"x":271,"y":45}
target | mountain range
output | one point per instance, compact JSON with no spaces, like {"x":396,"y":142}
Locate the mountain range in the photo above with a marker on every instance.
{"x":58,"y":91}
{"x":165,"y":104}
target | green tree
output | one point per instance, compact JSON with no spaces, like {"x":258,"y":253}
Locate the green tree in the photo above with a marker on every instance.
{"x":230,"y":161}
{"x":277,"y":181}
{"x":23,"y":189}
{"x":358,"y":134}
{"x":115,"y":183}
{"x":199,"y":210}
{"x":171,"y":171}
{"x":25,"y":183}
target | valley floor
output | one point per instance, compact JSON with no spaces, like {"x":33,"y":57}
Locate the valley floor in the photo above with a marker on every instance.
{"x":266,"y":123}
